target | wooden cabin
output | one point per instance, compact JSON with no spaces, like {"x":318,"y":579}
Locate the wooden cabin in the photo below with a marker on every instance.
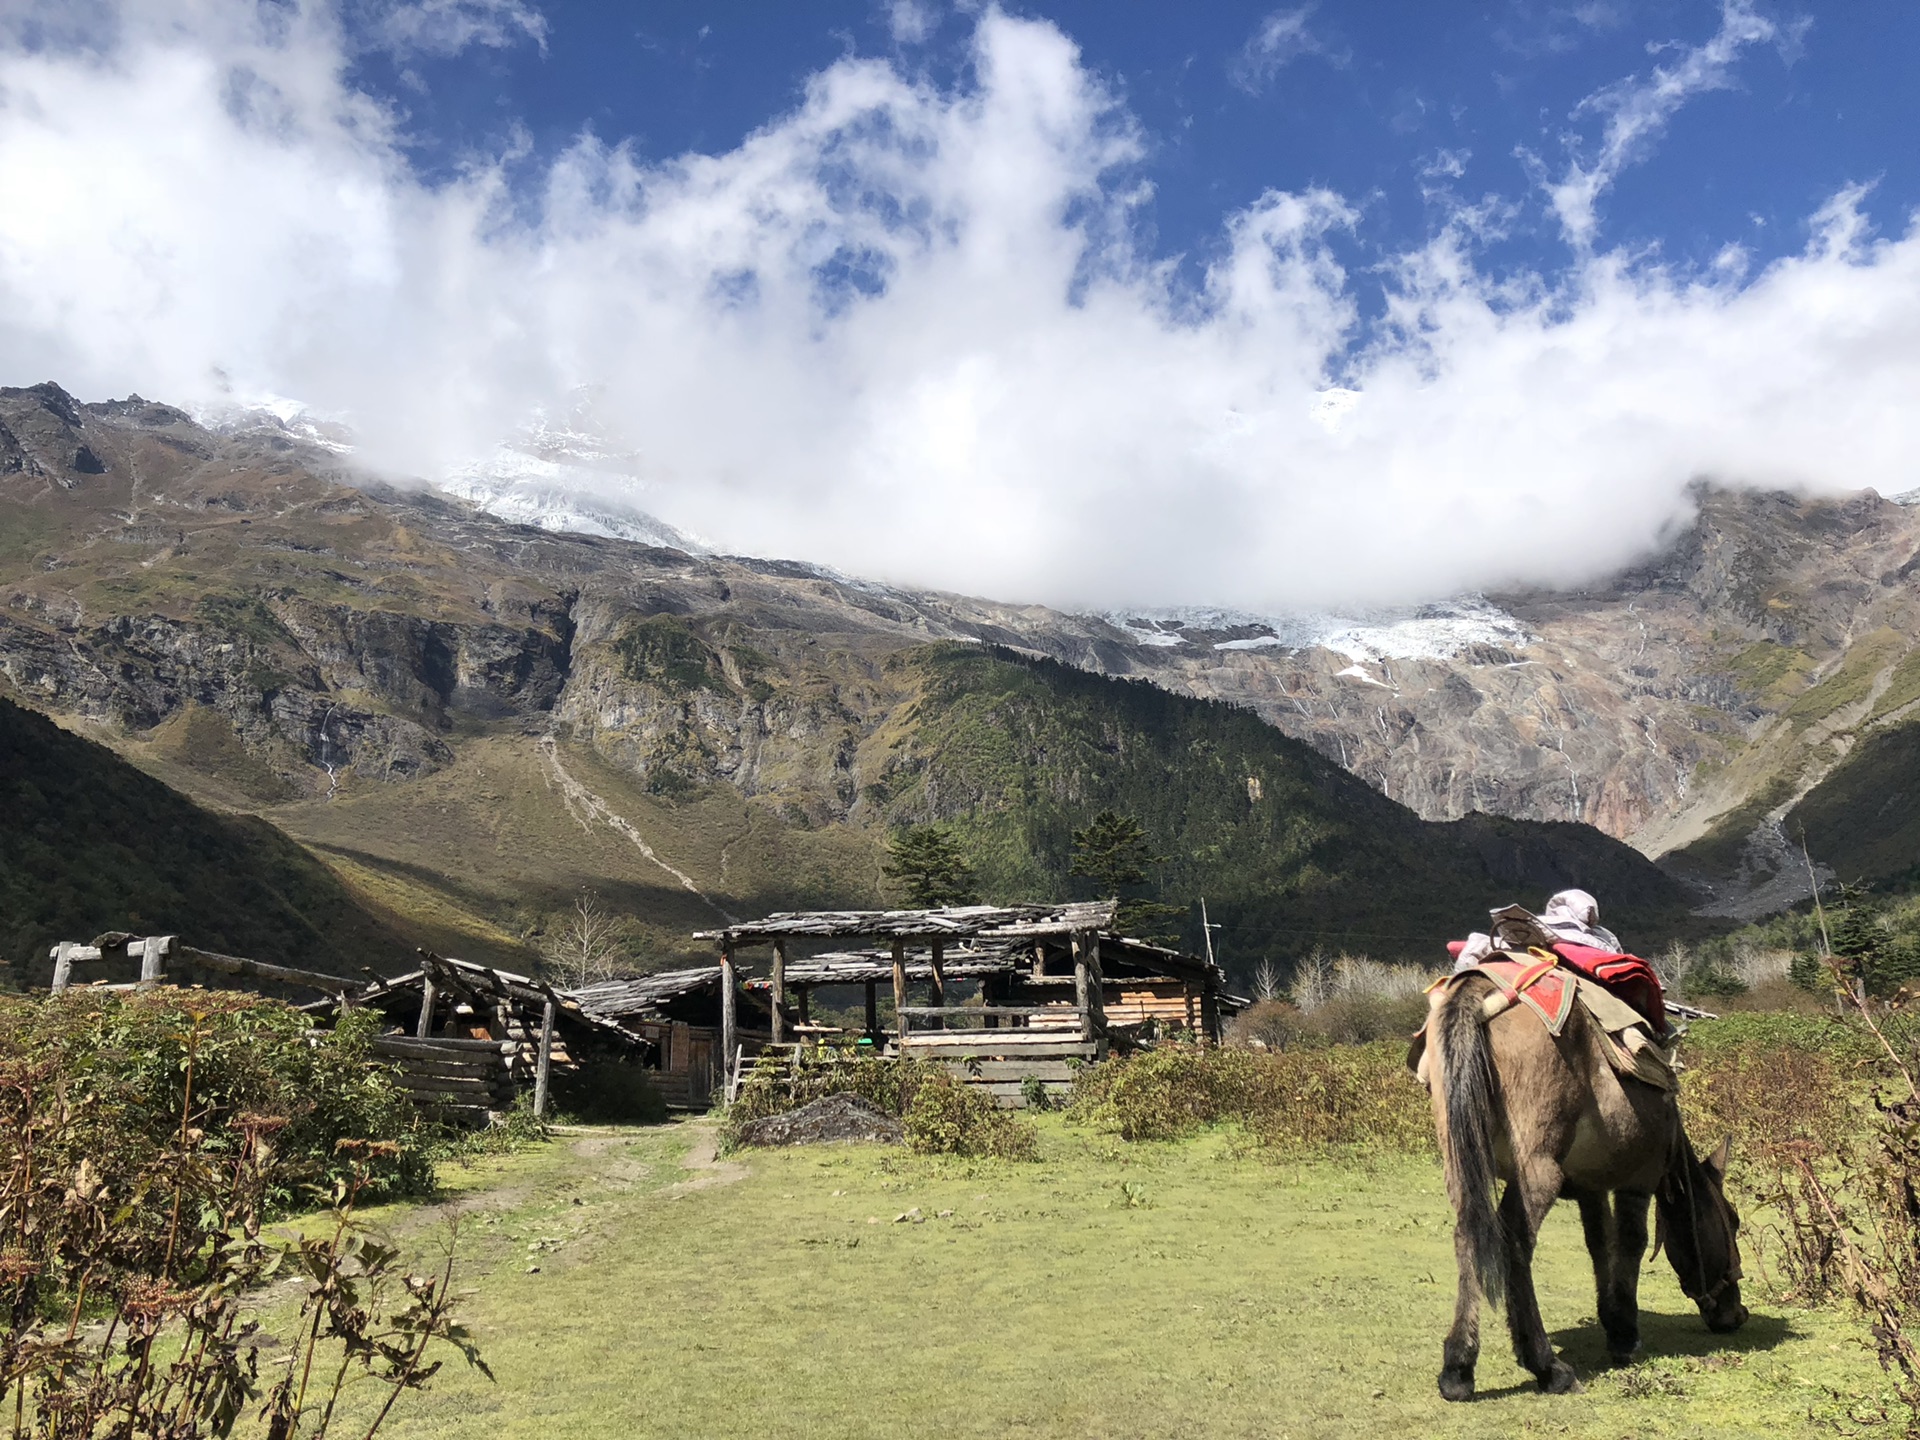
{"x":1055,"y":987}
{"x":678,"y":1013}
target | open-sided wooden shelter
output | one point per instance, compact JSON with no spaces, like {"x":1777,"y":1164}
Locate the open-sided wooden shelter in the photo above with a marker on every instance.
{"x":1056,"y":985}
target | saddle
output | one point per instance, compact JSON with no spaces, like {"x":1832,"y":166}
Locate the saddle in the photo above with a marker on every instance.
{"x":1542,"y":982}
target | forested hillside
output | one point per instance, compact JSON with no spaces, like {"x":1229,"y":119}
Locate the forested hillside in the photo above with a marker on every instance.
{"x":89,"y":844}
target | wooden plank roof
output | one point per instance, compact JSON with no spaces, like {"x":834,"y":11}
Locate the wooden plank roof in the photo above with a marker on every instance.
{"x":640,"y":993}
{"x":1010,"y":922}
{"x":857,"y":967}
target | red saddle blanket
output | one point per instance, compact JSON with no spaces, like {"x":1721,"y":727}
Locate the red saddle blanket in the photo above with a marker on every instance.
{"x":1627,"y":976}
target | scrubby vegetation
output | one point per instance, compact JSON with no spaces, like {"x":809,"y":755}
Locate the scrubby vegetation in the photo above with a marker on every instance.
{"x":143,"y":1144}
{"x":1292,"y":1101}
{"x":942,"y":1115}
{"x":121,"y":1066}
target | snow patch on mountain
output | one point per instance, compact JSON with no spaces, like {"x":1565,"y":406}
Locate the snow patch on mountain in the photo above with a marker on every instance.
{"x":239,"y":415}
{"x":1439,"y":631}
{"x":568,"y":477}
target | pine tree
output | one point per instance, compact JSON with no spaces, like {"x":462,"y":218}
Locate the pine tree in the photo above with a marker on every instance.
{"x":1113,"y":853}
{"x":928,"y":868}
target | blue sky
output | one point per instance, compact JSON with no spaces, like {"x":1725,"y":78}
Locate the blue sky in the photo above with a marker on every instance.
{"x":1379,"y":101}
{"x":1100,"y":304}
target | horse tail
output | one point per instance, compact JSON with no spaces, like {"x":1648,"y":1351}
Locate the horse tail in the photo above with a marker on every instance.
{"x":1473,"y":1121}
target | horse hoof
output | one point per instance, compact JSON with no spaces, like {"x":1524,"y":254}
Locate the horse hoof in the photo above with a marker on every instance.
{"x":1623,"y":1357}
{"x":1560,"y":1380}
{"x":1456,"y":1384}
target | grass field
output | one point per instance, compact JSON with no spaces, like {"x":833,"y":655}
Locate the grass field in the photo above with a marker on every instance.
{"x":1107,"y":1290}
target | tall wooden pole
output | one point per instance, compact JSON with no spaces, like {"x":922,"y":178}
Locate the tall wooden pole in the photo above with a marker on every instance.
{"x":779,"y":989}
{"x":729,"y":1026}
{"x":62,"y":965}
{"x":545,"y":1065}
{"x":900,"y":989}
{"x":423,"y":1027}
{"x":873,"y":1008}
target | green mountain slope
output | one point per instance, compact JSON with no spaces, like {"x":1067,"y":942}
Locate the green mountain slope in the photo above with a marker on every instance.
{"x":1288,"y":849}
{"x":88,"y":844}
{"x":1863,"y":820}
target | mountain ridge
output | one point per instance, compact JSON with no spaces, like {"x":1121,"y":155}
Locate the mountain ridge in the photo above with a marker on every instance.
{"x":425,"y":697}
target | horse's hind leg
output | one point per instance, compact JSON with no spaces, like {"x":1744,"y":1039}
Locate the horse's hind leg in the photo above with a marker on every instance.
{"x":1616,"y":1267}
{"x":1462,"y":1350}
{"x":1629,"y":1248}
{"x":1522,"y":1209}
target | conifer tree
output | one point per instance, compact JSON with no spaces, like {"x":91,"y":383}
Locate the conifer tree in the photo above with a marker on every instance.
{"x":929,"y":869}
{"x":1113,"y":853}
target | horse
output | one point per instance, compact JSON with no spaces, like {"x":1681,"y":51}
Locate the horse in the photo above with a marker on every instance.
{"x":1552,"y":1118}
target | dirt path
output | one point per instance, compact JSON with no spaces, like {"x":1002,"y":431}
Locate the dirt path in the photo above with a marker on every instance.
{"x":704,"y":1159}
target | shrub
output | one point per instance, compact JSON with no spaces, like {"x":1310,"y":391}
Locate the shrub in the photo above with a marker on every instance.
{"x":958,"y":1120}
{"x":1271,"y":1025}
{"x":122,"y":1064}
{"x":608,"y":1090}
{"x":1292,"y":1101}
{"x":949,"y":1117}
{"x":150,"y":1221}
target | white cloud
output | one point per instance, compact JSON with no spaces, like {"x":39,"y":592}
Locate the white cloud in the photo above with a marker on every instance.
{"x":446,"y":27}
{"x":903,"y":330}
{"x":910,"y":22}
{"x":1277,"y":41}
{"x":1638,"y":109}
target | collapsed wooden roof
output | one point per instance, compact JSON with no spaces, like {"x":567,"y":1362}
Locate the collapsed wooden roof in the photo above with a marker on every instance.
{"x":959,"y":922}
{"x":484,"y":983}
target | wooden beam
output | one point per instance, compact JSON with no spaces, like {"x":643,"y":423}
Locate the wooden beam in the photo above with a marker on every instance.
{"x":873,"y":1008}
{"x":729,"y":1019}
{"x":801,"y":998}
{"x":423,"y":1027}
{"x":260,"y":969}
{"x":545,"y":1064}
{"x":779,"y":989}
{"x":900,"y":987}
{"x":1210,"y":1011}
{"x":936,"y":962}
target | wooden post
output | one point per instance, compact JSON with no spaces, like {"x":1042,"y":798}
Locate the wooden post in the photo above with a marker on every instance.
{"x":423,"y":1027}
{"x":63,"y":965}
{"x":779,"y":988}
{"x":1087,"y":983}
{"x":1039,"y":959}
{"x":873,"y":1008}
{"x":729,"y":1026}
{"x":1210,"y":1011}
{"x":545,"y":1064}
{"x":151,"y":949}
{"x":900,"y":989}
{"x":937,"y":959}
{"x":986,"y":999}
{"x":1186,"y":994}
{"x":802,"y":1002}
{"x":1080,"y":997}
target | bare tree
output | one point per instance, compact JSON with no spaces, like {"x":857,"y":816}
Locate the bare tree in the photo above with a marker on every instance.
{"x":1266,"y":981}
{"x":587,"y":947}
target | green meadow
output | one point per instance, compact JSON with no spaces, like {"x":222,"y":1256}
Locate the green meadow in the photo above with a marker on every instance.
{"x":628,"y":1282}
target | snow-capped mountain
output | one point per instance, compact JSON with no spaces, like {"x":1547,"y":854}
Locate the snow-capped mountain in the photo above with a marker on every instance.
{"x":569,"y":477}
